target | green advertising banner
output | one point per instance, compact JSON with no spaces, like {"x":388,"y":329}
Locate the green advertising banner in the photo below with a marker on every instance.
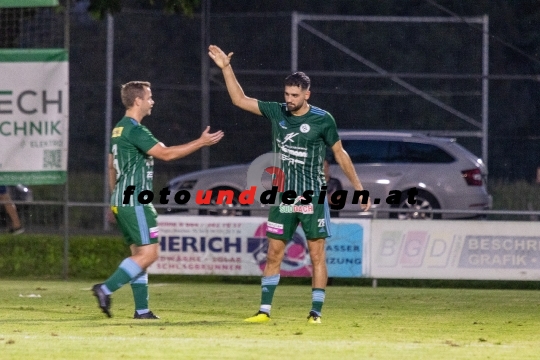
{"x":27,"y":3}
{"x":34,"y":100}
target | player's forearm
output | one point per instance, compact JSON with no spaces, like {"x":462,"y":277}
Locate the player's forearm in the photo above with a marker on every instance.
{"x":347,"y":166}
{"x":180,"y":151}
{"x":233,"y":86}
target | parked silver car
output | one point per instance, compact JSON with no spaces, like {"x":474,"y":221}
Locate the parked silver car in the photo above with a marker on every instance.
{"x":446,"y":175}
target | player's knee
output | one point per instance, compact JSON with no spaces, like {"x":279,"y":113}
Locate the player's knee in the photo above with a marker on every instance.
{"x":273,"y":257}
{"x":153,"y":256}
{"x":148,"y":255}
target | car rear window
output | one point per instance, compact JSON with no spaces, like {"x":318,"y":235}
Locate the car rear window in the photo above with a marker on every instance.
{"x":388,"y":151}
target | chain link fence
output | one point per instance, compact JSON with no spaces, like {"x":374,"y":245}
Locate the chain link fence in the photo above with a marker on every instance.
{"x":166,"y":50}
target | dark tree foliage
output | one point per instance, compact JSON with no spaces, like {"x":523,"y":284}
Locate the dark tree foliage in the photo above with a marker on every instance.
{"x":10,"y":23}
{"x":99,"y":8}
{"x":514,"y":49}
{"x":168,"y":53}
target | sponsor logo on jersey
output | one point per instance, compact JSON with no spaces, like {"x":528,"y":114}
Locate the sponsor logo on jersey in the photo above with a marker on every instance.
{"x":289,"y":137}
{"x":274,"y":228}
{"x":302,"y":209}
{"x":282,"y":124}
{"x":117,"y":132}
{"x":296,"y":208}
{"x":290,"y":160}
{"x":154,"y":232}
{"x":293,"y":152}
{"x":288,"y":150}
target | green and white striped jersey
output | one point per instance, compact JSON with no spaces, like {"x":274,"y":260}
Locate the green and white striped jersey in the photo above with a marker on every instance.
{"x":129,"y":143}
{"x":301,"y":142}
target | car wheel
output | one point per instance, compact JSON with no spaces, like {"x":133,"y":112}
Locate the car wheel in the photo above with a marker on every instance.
{"x":424,"y":203}
{"x":224,"y":209}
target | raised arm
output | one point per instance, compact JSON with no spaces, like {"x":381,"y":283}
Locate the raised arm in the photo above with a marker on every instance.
{"x":344,"y":161}
{"x":233,"y":87}
{"x":168,"y":153}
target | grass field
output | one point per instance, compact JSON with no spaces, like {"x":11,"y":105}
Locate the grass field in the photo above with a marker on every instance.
{"x":201,"y":321}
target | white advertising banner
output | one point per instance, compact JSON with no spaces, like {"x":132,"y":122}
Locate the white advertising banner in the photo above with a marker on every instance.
{"x":238,"y":246}
{"x":34,"y":99}
{"x":210,"y":245}
{"x":482,"y":250}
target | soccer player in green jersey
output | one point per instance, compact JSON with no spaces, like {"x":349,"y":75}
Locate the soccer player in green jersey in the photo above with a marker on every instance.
{"x":300,"y":134}
{"x":131,"y":162}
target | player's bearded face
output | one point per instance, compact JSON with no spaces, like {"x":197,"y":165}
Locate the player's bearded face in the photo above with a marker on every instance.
{"x":295,"y":98}
{"x":295,"y":106}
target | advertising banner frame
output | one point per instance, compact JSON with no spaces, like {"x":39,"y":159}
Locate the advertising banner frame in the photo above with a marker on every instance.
{"x":455,"y":250}
{"x":27,"y":3}
{"x":34,"y":116}
{"x":204,"y":245}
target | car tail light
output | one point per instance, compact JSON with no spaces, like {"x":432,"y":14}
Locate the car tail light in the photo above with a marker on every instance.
{"x":473,"y":177}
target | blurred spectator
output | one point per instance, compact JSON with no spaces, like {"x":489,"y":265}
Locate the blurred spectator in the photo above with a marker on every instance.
{"x":16,"y":226}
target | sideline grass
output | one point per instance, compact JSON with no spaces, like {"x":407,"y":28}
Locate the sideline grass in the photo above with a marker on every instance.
{"x":205,"y":321}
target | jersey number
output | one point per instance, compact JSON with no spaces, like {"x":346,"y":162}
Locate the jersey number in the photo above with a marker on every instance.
{"x":115,"y":160}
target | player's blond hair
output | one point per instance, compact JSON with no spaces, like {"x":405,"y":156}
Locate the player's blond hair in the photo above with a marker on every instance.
{"x":132,"y":90}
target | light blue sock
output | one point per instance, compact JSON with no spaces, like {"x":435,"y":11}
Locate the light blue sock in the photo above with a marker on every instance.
{"x":127,"y":270}
{"x":139,"y":286}
{"x":268,"y":287}
{"x":317,"y":300}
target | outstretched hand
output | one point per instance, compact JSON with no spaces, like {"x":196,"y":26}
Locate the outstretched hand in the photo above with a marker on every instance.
{"x":220,"y":58}
{"x":365,"y":207}
{"x":209,"y":139}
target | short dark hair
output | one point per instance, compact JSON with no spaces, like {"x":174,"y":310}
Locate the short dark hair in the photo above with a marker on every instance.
{"x":299,"y":79}
{"x":132,"y":90}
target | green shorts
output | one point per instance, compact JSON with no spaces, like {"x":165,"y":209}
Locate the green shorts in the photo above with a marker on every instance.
{"x":137,"y":223}
{"x":284,"y":219}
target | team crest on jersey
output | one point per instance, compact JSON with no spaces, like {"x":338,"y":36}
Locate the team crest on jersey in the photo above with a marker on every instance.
{"x":304,"y":128}
{"x":117,"y":132}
